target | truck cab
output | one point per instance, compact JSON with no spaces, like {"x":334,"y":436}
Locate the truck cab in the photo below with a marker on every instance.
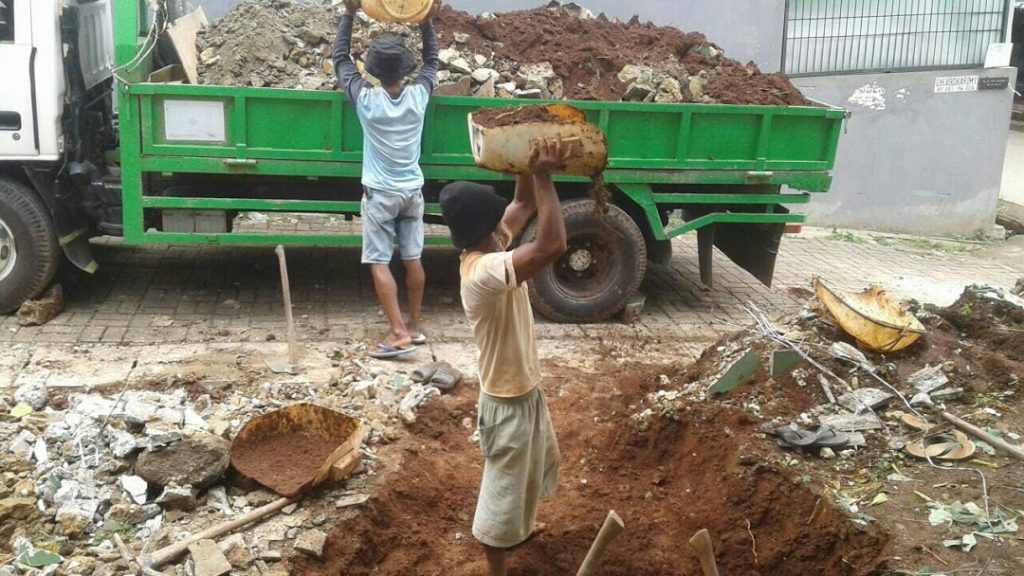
{"x":56,"y":123}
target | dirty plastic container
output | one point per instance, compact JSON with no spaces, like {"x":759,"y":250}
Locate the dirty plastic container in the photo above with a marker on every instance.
{"x":507,"y":148}
{"x":412,"y":11}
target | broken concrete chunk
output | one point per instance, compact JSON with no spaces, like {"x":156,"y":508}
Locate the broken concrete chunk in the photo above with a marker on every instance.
{"x":852,"y":422}
{"x":178,"y":498}
{"x":417,"y":396}
{"x":864,"y":399}
{"x":199,"y":461}
{"x":33,"y":394}
{"x":928,"y":379}
{"x":482,"y":75}
{"x":311,"y":542}
{"x":463,"y":87}
{"x":135,"y":487}
{"x":352,"y":500}
{"x":39,"y":312}
{"x":206,"y":560}
{"x":921,"y":399}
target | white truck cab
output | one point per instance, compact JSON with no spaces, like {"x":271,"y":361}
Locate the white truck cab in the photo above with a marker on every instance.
{"x":56,"y":62}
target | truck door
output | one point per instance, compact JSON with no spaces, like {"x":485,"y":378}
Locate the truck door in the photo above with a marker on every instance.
{"x":17,"y":121}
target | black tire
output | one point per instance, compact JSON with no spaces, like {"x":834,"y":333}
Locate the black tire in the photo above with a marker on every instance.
{"x":26,"y":233}
{"x":599,"y":273}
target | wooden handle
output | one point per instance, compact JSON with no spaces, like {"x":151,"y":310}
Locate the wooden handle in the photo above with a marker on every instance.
{"x":293,"y":350}
{"x":701,"y":544}
{"x":984,"y":436}
{"x":165,"y":555}
{"x":613,"y":526}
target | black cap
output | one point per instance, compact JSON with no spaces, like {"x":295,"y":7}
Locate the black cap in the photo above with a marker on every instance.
{"x":389,"y":59}
{"x":472,"y":212}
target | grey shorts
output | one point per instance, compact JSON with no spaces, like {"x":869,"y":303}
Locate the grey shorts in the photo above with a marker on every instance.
{"x":521,"y":466}
{"x":390,"y":215}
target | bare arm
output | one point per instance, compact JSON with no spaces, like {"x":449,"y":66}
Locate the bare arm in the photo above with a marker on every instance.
{"x":549,"y":245}
{"x":349,"y":78}
{"x":523,"y":206}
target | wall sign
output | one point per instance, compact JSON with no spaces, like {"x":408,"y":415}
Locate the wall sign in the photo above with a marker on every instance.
{"x":997,"y":83}
{"x":950,"y":84}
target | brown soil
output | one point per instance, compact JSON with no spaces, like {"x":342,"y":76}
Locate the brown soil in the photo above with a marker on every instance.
{"x":283,"y":462}
{"x":589,"y":54}
{"x":700,"y":470}
{"x":515,"y":115}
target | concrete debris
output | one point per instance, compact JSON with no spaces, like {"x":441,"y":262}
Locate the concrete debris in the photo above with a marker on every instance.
{"x":928,"y":379}
{"x":178,"y":498}
{"x":417,"y":396}
{"x":199,"y":461}
{"x":39,"y":312}
{"x":864,"y":399}
{"x":311,"y":542}
{"x":852,"y":422}
{"x":135,"y":487}
{"x":33,"y":394}
{"x":206,"y":560}
{"x":288,"y":44}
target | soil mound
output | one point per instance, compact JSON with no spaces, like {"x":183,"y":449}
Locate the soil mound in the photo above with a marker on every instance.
{"x":549,"y":52}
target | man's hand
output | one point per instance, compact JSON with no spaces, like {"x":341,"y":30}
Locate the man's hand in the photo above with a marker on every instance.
{"x":353,"y":6}
{"x":548,"y":155}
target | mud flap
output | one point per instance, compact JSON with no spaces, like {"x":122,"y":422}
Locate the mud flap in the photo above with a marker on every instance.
{"x":753,"y":247}
{"x":69,"y":222}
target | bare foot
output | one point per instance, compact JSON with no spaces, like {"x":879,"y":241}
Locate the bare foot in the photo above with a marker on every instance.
{"x":400,"y":341}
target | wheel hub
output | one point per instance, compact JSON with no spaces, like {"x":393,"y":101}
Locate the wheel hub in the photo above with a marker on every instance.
{"x":8,"y":251}
{"x":580,"y":260}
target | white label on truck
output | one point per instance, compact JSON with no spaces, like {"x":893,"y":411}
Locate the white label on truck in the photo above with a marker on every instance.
{"x":950,"y":84}
{"x":193,"y":121}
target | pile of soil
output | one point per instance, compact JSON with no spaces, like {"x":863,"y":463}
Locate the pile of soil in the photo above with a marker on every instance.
{"x":283,"y":462}
{"x":515,"y":115}
{"x":666,"y":481}
{"x":288,"y":44}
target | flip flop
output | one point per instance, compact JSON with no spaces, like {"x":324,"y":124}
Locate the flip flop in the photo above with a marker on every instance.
{"x":446,"y":377}
{"x":419,"y":339}
{"x":423,"y":373}
{"x":949,"y":447}
{"x":389,"y":352}
{"x":827,"y":437}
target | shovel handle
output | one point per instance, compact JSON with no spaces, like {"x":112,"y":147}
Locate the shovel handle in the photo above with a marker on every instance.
{"x":293,"y":351}
{"x":705,"y":550}
{"x":613,"y":526}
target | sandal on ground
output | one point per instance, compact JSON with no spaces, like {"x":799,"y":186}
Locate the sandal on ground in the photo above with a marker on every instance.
{"x":446,"y":377}
{"x":387,"y":352}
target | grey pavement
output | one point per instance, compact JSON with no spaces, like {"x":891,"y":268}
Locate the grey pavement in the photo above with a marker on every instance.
{"x":167,"y":295}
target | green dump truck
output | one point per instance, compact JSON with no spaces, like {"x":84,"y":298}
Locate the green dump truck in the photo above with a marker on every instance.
{"x":178,"y":162}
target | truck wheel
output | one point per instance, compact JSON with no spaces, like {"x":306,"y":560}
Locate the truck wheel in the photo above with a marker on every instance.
{"x":28,"y":248}
{"x":602,"y":269}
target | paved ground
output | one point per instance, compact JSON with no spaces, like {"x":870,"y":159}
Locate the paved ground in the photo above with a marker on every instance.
{"x":1013,"y":169}
{"x":215,"y":314}
{"x":177,"y":294}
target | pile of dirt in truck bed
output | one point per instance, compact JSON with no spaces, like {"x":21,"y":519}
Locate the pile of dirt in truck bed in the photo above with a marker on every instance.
{"x":497,"y":117}
{"x":548,"y":52}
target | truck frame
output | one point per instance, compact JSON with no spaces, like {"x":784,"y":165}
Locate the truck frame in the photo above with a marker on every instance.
{"x":191,"y":157}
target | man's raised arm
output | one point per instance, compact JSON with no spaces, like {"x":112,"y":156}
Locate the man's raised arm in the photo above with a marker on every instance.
{"x":349,"y":78}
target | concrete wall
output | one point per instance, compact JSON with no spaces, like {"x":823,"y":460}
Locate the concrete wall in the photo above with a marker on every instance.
{"x":912,"y":160}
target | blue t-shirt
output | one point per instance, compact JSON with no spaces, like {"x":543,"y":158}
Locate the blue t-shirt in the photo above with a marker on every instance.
{"x":392,"y":138}
{"x":392,"y":128}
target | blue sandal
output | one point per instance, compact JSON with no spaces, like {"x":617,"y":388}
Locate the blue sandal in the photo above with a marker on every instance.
{"x":388,"y":352}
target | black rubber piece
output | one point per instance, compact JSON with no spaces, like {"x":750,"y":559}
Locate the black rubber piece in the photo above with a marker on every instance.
{"x":37,"y":246}
{"x":613,"y":249}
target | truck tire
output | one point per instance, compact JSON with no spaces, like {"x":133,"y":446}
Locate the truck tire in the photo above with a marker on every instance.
{"x":602,"y":269}
{"x":29,"y":252}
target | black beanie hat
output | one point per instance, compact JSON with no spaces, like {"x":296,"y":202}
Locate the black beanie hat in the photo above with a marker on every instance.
{"x":472,"y":212}
{"x":388,"y":59}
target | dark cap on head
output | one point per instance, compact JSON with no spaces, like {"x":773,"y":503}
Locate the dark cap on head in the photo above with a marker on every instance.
{"x":472,"y":212}
{"x":389,"y":60}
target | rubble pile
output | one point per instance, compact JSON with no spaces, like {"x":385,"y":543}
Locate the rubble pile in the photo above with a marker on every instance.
{"x":151,"y":464}
{"x":558,"y":51}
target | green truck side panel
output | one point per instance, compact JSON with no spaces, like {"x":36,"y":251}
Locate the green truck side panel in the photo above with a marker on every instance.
{"x":310,"y":134}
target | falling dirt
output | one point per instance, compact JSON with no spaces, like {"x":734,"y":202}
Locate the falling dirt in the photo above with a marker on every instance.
{"x":285,"y":462}
{"x":680,"y":475}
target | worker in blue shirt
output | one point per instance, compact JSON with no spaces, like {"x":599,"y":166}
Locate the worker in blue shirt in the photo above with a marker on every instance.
{"x":392,"y":117}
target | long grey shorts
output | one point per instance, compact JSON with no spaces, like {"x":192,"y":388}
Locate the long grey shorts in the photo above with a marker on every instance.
{"x":390,"y":215}
{"x":520,"y":466}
